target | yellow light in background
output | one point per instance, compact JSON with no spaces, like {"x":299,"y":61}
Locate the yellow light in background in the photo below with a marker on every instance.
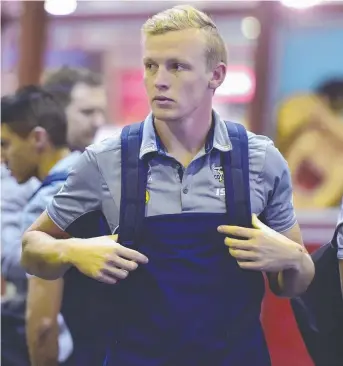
{"x":60,"y":7}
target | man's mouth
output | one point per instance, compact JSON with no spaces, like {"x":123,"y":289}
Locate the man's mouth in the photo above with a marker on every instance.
{"x":163,"y":99}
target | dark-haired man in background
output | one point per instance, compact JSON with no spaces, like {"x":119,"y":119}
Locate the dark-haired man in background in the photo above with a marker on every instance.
{"x":81,"y":94}
{"x":34,"y":144}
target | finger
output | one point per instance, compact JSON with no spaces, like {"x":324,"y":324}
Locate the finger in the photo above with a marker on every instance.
{"x":132,"y":255}
{"x":256,"y":223}
{"x":253,"y":266}
{"x":121,"y":263}
{"x":239,"y":244}
{"x":242,"y":232}
{"x":106,"y":279}
{"x":243,"y":255}
{"x":116,"y":273}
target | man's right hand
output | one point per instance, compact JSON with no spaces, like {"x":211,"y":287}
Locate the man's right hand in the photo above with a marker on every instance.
{"x":103,"y":258}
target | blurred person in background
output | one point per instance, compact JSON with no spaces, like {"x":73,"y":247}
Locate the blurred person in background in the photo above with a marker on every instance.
{"x":297,"y":111}
{"x":106,"y":132}
{"x":331,"y":93}
{"x":81,"y":94}
{"x":306,"y":121}
{"x":13,"y":198}
{"x":34,"y":144}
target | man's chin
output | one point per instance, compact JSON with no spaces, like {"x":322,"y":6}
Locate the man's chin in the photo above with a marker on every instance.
{"x":20,"y":180}
{"x":165,"y":115}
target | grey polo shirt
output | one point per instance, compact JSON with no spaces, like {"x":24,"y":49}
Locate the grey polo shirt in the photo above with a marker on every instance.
{"x":95,"y":181}
{"x":340,"y":234}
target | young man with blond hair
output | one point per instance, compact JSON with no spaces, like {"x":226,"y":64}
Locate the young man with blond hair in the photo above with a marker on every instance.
{"x":182,"y":191}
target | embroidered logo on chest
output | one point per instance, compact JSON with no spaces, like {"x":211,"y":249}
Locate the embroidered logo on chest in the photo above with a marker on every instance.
{"x":218,"y":173}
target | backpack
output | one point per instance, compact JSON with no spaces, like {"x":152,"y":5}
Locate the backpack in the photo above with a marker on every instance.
{"x":319,"y":311}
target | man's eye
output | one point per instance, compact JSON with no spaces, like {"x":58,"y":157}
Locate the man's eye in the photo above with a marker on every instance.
{"x":88,"y":112}
{"x":150,"y":66}
{"x":177,"y":67}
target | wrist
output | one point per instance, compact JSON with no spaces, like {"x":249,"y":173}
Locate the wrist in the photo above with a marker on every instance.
{"x":299,"y":254}
{"x":67,"y":247}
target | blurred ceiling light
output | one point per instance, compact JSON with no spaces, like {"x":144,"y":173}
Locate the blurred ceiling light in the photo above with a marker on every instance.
{"x":60,"y":7}
{"x":301,"y":4}
{"x":251,"y":28}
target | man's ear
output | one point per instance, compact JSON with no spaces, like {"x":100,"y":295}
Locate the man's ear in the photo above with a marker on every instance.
{"x":218,"y":76}
{"x":40,"y":138}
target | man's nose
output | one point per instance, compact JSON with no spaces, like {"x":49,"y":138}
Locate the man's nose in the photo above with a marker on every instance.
{"x":162,"y":81}
{"x":98,"y":119}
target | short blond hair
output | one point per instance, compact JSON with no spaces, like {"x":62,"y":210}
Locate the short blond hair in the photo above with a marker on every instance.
{"x":183,"y":17}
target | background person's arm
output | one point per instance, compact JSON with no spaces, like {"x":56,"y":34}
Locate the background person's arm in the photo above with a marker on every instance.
{"x":42,"y":330}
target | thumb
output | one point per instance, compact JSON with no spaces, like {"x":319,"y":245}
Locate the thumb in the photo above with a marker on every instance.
{"x":256,"y":223}
{"x":113,"y":237}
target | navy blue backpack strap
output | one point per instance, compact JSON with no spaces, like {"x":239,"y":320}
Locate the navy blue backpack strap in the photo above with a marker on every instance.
{"x":133,"y":184}
{"x":236,"y":176}
{"x":55,"y":177}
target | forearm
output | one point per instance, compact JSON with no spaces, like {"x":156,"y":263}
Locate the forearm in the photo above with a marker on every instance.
{"x":45,"y":256}
{"x":294,"y":281}
{"x":44,"y":300}
{"x":42,"y":341}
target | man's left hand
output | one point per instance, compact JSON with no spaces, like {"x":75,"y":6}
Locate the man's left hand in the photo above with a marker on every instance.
{"x":262,"y":248}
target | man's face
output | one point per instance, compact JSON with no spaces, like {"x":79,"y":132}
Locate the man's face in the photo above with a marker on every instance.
{"x":85,"y":113}
{"x":176,"y":77}
{"x":19,"y":154}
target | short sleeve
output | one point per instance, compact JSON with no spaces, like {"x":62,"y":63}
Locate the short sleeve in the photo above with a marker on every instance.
{"x":276,"y":179}
{"x":80,"y":194}
{"x":340,"y":234}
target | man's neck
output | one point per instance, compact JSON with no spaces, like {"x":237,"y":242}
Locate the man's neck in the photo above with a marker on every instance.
{"x":184,"y":139}
{"x":49,"y":159}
